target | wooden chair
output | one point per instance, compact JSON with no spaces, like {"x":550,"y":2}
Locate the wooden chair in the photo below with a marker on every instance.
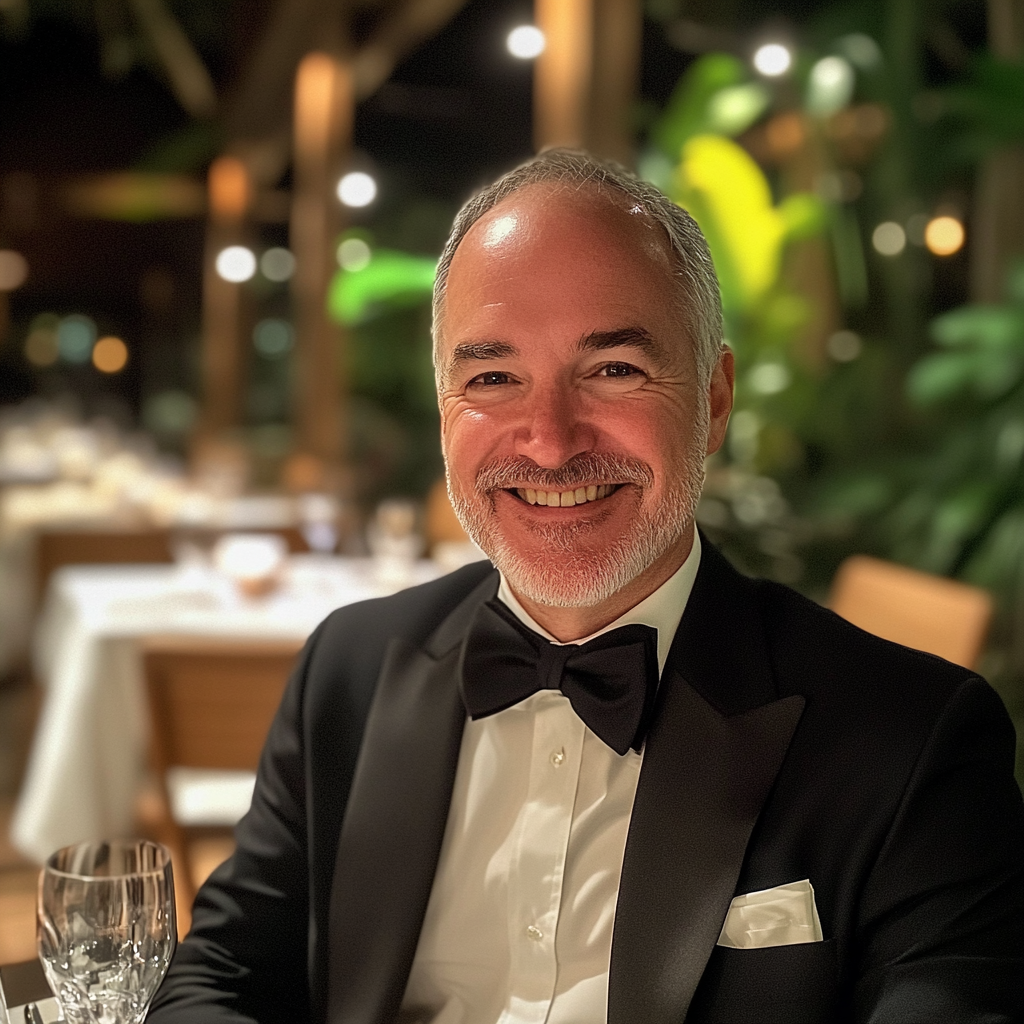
{"x":211,"y":705}
{"x":56,"y":548}
{"x":913,"y":608}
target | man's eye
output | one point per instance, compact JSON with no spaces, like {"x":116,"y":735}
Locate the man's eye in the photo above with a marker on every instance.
{"x":619,"y":370}
{"x":491,"y":378}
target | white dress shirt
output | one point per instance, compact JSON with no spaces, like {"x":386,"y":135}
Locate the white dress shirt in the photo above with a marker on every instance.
{"x":518,"y":929}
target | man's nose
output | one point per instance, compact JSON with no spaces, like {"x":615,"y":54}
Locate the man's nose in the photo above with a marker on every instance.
{"x":554,"y":428}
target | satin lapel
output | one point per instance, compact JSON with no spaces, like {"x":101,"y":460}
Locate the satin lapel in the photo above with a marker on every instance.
{"x":708,"y":767}
{"x":394,"y":822}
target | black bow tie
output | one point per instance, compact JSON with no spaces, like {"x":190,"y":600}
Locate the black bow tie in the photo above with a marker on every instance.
{"x":610,"y":681}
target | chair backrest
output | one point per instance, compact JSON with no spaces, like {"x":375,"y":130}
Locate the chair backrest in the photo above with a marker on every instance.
{"x":212,"y":701}
{"x":146,"y":545}
{"x":928,"y":613}
{"x":55,"y":548}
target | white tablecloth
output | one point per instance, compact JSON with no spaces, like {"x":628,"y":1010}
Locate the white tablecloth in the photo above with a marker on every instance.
{"x":89,"y":750}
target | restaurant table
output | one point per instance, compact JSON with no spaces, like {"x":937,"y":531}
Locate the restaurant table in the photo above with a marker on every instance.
{"x":88,"y":754}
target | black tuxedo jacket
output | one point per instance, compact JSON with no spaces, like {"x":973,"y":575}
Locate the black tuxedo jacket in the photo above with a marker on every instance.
{"x":787,"y":744}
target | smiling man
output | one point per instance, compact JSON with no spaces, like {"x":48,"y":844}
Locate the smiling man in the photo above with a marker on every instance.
{"x":608,"y":779}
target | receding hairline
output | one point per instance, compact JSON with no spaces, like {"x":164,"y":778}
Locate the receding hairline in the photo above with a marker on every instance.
{"x":588,"y":194}
{"x":695,"y":292}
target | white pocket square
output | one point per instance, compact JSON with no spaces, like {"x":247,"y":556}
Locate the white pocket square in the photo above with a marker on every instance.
{"x":780,"y":916}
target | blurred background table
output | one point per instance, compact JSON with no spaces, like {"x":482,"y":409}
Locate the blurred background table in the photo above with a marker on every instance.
{"x":89,"y":751}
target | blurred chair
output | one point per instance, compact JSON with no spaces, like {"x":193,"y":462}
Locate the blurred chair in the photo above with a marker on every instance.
{"x":928,"y":613}
{"x":211,"y":705}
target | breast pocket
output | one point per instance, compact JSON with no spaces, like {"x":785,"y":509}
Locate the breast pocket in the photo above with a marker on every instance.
{"x":794,"y":984}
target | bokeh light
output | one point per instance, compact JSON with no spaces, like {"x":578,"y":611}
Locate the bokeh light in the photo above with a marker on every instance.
{"x":861,"y":50}
{"x":110,"y":355}
{"x":236,"y":263}
{"x":354,"y":254}
{"x":13,"y":270}
{"x":170,"y":413}
{"x":770,"y":378}
{"x":772,"y":59}
{"x":526,"y":42}
{"x":76,"y":335}
{"x":944,"y":235}
{"x":273,"y":337}
{"x":41,"y":344}
{"x":277,"y":264}
{"x":829,"y":86}
{"x":889,"y":238}
{"x":357,"y":188}
{"x":844,"y":346}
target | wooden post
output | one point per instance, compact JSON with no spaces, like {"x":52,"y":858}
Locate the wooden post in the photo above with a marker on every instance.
{"x":324,"y":113}
{"x":618,"y":32}
{"x":585,"y":80}
{"x":998,"y":214}
{"x":562,"y":74}
{"x":224,"y":348}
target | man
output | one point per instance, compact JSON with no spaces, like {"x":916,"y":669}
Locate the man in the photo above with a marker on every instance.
{"x":548,"y":795}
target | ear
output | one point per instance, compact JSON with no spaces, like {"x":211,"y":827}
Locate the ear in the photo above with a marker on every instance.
{"x":720,"y":398}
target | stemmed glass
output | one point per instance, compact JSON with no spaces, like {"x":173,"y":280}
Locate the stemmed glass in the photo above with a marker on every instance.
{"x":106,"y":928}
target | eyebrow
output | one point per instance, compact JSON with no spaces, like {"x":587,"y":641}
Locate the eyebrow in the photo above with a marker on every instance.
{"x":625,"y":337}
{"x":595,"y":341}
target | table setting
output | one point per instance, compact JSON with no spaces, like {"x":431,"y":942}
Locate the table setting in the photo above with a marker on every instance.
{"x":89,"y":751}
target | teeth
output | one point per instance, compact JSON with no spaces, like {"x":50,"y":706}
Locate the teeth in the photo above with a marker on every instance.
{"x":565,"y":499}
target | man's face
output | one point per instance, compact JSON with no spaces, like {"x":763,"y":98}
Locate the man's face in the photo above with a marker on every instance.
{"x":573,"y":427}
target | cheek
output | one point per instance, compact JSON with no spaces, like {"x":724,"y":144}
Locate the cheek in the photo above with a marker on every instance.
{"x":468,"y":438}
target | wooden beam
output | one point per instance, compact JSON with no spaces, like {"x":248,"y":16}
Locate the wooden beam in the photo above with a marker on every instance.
{"x":324,"y":114}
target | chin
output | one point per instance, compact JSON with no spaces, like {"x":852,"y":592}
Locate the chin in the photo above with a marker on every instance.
{"x":565,"y":568}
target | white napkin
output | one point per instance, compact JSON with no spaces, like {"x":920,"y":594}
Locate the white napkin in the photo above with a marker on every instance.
{"x":780,"y":916}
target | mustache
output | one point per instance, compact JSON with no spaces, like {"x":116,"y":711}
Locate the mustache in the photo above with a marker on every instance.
{"x":579,"y":471}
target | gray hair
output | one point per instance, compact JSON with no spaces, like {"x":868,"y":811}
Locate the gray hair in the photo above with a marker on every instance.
{"x":699,"y":301}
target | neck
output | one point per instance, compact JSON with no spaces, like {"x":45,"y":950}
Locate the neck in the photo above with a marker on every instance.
{"x":568,"y":624}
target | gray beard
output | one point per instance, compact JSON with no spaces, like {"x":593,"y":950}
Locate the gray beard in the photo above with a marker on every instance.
{"x":567,"y":574}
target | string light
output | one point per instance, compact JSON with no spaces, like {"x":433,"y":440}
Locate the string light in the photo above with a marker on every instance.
{"x":236,"y":263}
{"x":13,"y":270}
{"x":889,"y":238}
{"x":357,"y":188}
{"x":354,"y":254}
{"x":277,"y":264}
{"x":110,"y":355}
{"x":526,"y":42}
{"x":944,"y":235}
{"x":772,"y":59}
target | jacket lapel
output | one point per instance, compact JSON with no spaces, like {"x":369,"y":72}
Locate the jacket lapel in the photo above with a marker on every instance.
{"x":717,"y":742}
{"x":394,"y":821}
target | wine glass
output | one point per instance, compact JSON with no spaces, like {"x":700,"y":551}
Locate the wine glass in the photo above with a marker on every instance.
{"x":106,"y":928}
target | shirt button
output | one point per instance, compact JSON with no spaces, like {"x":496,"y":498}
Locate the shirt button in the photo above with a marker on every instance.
{"x":534,"y":933}
{"x":557,"y":757}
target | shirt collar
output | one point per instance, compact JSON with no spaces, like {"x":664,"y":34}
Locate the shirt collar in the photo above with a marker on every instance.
{"x":663,"y":609}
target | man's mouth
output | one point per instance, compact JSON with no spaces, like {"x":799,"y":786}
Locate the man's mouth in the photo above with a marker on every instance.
{"x":565,"y":499}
